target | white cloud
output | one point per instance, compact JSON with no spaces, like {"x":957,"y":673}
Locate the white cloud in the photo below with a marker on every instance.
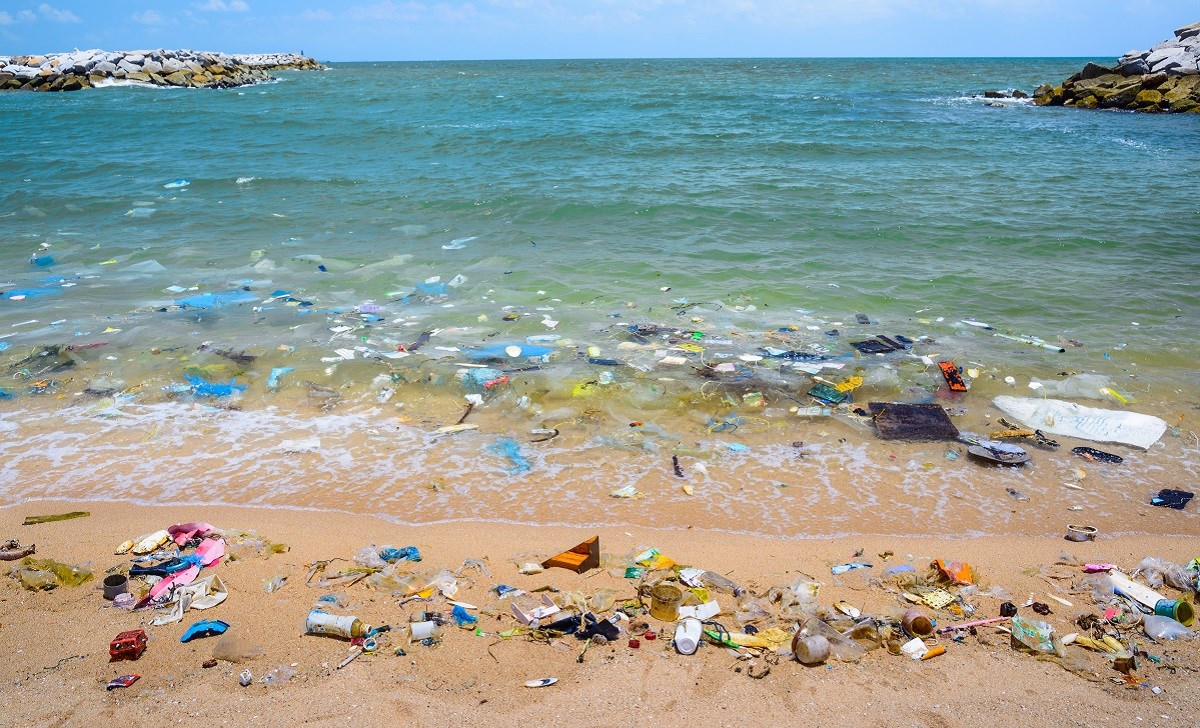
{"x":6,"y":19}
{"x":50,"y":12}
{"x":388,"y":10}
{"x":221,"y":6}
{"x":150,"y":17}
{"x":26,"y":16}
{"x":320,"y":14}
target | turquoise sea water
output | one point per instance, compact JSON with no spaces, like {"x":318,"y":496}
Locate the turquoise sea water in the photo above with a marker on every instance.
{"x":836,"y":186}
{"x":775,"y":199}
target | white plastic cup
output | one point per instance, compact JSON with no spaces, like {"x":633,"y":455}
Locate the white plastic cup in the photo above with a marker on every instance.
{"x":812,"y":649}
{"x":422,"y":630}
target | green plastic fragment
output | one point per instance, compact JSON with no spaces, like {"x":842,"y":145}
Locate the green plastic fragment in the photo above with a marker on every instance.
{"x":34,"y":520}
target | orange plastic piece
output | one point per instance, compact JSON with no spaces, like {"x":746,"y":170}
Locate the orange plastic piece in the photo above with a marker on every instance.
{"x":583,"y":557}
{"x":959,"y":573}
{"x":953,"y":379}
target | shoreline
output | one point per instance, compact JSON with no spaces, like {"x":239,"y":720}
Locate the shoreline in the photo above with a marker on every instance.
{"x":453,"y":681}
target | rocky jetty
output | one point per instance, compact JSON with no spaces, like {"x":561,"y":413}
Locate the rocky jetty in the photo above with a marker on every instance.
{"x":192,"y":69}
{"x":1165,"y":78}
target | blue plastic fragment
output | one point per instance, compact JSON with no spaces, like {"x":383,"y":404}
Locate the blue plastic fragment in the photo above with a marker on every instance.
{"x":276,"y":373}
{"x":475,"y":380}
{"x":204,"y":628}
{"x":511,"y":449}
{"x":204,"y":388}
{"x":216,"y":300}
{"x":899,"y":568}
{"x":434,"y":289}
{"x":498,"y":351}
{"x":42,"y":261}
{"x":462,"y":617}
{"x":31,"y":292}
{"x":843,"y":568}
{"x":405,"y":553}
{"x":736,"y":447}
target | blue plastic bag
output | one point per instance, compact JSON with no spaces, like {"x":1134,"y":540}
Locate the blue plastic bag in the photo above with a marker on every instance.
{"x":511,"y":449}
{"x":204,"y":388}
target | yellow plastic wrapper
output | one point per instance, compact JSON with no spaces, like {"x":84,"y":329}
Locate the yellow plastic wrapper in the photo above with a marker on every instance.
{"x":64,"y":574}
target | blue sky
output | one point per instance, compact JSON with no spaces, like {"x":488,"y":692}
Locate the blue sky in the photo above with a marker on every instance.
{"x":345,"y":30}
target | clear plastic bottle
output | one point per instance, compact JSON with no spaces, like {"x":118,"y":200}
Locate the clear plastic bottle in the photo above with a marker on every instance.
{"x":713,"y":580}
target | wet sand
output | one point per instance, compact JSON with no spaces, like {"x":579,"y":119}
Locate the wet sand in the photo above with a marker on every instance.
{"x":56,"y":642}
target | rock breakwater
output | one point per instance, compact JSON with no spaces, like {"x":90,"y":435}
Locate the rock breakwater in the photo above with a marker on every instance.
{"x":183,"y":68}
{"x":1165,"y":78}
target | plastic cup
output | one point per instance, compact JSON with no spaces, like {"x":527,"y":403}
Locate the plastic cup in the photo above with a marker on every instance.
{"x":115,"y":584}
{"x":811,"y":649}
{"x":1081,"y":533}
{"x":422,"y":630}
{"x":664,"y":602}
{"x":916,"y":623}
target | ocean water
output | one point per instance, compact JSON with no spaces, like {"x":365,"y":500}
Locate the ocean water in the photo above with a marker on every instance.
{"x":734,"y":204}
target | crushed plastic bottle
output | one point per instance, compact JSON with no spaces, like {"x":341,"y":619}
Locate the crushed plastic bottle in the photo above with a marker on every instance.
{"x":711,"y":580}
{"x":1158,"y":627}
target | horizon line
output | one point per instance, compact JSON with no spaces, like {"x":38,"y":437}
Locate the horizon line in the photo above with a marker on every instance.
{"x":706,"y":58}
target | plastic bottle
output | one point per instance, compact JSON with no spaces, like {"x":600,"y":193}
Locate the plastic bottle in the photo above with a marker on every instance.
{"x":1158,"y":627}
{"x":813,"y":411}
{"x":347,"y":626}
{"x":713,"y":580}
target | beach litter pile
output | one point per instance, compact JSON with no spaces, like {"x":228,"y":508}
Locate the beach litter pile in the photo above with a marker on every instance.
{"x":1127,"y":624}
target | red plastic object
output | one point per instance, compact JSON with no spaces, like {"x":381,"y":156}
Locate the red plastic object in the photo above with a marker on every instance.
{"x":127,"y":646}
{"x":650,"y":636}
{"x":634,"y":643}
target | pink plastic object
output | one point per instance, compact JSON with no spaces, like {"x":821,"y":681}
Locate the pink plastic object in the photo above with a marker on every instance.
{"x":183,"y":532}
{"x":183,"y":578}
{"x":210,"y":551}
{"x":1096,"y":568}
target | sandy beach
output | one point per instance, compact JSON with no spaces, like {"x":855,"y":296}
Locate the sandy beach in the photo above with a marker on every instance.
{"x":57,"y":641}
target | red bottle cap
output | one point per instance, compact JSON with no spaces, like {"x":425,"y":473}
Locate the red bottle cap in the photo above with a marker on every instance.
{"x":634,"y":643}
{"x":650,"y":635}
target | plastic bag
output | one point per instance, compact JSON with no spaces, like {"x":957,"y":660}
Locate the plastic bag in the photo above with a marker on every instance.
{"x":393,"y":579}
{"x":1155,"y":572}
{"x":368,"y":556}
{"x":278,"y":675}
{"x":797,"y":602}
{"x":602,"y":600}
{"x":36,"y":579}
{"x":1098,"y":586}
{"x":64,"y":574}
{"x":750,"y":609}
{"x":1033,"y":635}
